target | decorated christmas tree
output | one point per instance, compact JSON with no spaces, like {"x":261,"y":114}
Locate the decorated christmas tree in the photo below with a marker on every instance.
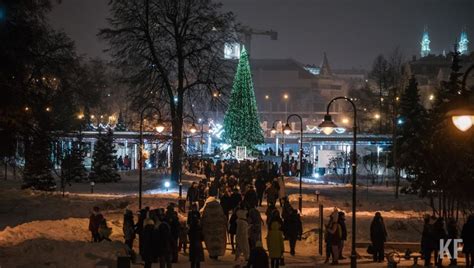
{"x":38,"y":165}
{"x":241,"y":123}
{"x":104,"y":160}
{"x":72,"y":166}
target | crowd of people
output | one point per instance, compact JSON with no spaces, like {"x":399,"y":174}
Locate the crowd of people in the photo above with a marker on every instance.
{"x":226,"y":205}
{"x":223,"y":206}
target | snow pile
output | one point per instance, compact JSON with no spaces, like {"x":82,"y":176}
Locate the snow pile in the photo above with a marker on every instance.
{"x":58,"y":243}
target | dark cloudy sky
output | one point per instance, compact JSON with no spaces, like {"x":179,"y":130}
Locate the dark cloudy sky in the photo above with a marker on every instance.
{"x":351,"y":32}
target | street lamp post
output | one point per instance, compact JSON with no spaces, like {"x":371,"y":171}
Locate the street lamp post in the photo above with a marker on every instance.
{"x":328,"y":127}
{"x":193,"y":130}
{"x":287,"y":131}
{"x":159,"y":128}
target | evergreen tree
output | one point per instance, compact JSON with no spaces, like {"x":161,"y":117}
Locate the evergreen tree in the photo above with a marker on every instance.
{"x":38,"y":165}
{"x":72,"y":166}
{"x":86,"y":122}
{"x":120,"y":126}
{"x":104,"y":159}
{"x":411,"y":122}
{"x":241,"y":123}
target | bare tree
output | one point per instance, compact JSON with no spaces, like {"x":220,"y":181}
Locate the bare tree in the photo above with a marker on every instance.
{"x":170,"y":52}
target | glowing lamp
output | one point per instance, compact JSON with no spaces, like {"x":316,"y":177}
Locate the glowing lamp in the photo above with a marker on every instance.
{"x":463,"y":119}
{"x":327,"y":125}
{"x":273,"y":130}
{"x":462,"y":122}
{"x":160,"y":127}
{"x":287,"y":129}
{"x":193,"y":128}
{"x":167,"y":184}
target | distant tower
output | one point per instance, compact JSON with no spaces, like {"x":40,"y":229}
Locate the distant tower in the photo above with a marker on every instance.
{"x":425,"y":44}
{"x":463,"y":42}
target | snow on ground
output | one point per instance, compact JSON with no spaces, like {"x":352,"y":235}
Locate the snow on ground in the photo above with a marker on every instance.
{"x":48,"y":230}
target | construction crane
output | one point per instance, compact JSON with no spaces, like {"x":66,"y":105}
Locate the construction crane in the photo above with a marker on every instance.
{"x":247,"y":33}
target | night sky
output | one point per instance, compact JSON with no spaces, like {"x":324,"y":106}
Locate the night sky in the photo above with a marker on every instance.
{"x":351,"y":32}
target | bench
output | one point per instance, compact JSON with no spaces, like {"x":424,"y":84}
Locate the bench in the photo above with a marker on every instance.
{"x":412,"y":250}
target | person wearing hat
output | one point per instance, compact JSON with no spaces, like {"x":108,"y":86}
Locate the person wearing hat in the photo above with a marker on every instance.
{"x":342,"y":223}
{"x":242,"y":235}
{"x":214,"y":228}
{"x":129,"y":231}
{"x":258,"y":257}
{"x":172,"y":219}
{"x":95,"y":220}
{"x":334,"y":229}
{"x":275,"y":241}
{"x":378,"y":237}
{"x":148,"y":251}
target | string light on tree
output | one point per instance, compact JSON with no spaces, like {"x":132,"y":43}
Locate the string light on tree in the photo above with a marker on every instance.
{"x":241,"y":122}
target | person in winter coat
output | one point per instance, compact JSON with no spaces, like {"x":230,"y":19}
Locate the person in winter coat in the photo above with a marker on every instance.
{"x":272,"y":194}
{"x":342,"y":223}
{"x":275,"y":243}
{"x":104,"y":231}
{"x":453,"y":233}
{"x":282,"y":189}
{"x":255,"y":227}
{"x":286,"y":209}
{"x":328,"y":239}
{"x":293,"y":229}
{"x":270,"y":212}
{"x":164,"y":242}
{"x":233,"y":228}
{"x":193,"y":213}
{"x":334,"y":229}
{"x":251,"y":198}
{"x":439,"y":233}
{"x":235,"y":199}
{"x":226,"y":202}
{"x":214,"y":188}
{"x":378,"y":237}
{"x":183,"y":237}
{"x":214,"y":227}
{"x":428,"y":242}
{"x":193,"y":194}
{"x":196,"y":252}
{"x":467,"y":235}
{"x":94,"y":221}
{"x":173,"y":222}
{"x":129,"y":231}
{"x":143,"y":214}
{"x":242,"y":234}
{"x":260,"y":187}
{"x":147,"y":246}
{"x":258,"y":257}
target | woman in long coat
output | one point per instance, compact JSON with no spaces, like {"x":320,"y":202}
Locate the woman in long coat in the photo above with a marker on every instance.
{"x":147,"y":243}
{"x":378,"y":237}
{"x":214,"y":228}
{"x":255,"y":227}
{"x":242,"y":235}
{"x":275,"y":243}
{"x":196,"y":252}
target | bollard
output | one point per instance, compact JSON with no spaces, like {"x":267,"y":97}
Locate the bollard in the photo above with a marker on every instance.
{"x":317,"y":195}
{"x":92,"y":187}
{"x":321,"y":227}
